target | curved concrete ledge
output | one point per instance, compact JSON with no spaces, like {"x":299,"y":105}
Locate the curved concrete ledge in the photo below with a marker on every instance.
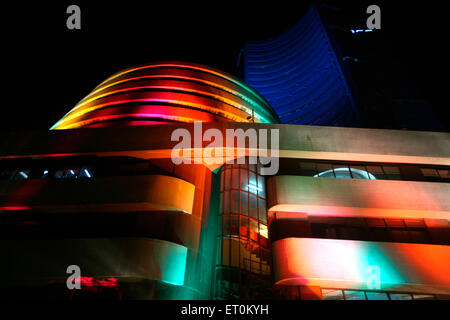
{"x":352,"y":264}
{"x":358,"y":198}
{"x":40,"y":262}
{"x":102,"y":194}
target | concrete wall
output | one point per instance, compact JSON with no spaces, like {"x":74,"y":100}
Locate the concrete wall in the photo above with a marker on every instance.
{"x":296,"y":141}
{"x":358,"y":197}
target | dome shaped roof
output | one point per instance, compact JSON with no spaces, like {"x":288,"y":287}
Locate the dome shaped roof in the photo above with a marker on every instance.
{"x":167,"y":92}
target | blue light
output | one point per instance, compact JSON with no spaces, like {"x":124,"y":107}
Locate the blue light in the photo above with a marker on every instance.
{"x":23,"y":174}
{"x":87,"y":173}
{"x":254,"y":188}
{"x":361,"y":30}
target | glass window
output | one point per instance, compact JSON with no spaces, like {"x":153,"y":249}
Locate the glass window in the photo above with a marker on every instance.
{"x":244,"y":228}
{"x":372,"y":295}
{"x":219,"y":225}
{"x":219,"y":252}
{"x":244,"y":180}
{"x":85,"y":173}
{"x":265,"y":256}
{"x":400,"y":296}
{"x":45,"y":174}
{"x":235,"y":178}
{"x":254,"y":230}
{"x":262,"y":210}
{"x":308,"y":168}
{"x":71,"y":173}
{"x":226,"y":201}
{"x":444,"y":174}
{"x":245,"y":256}
{"x":265,"y":269}
{"x":429,"y":172}
{"x":375,"y":223}
{"x":221,"y":203}
{"x":423,"y":296}
{"x":252,"y":183}
{"x":59,"y":174}
{"x":398,"y":235}
{"x":235,"y":201}
{"x":256,"y":262}
{"x":234,"y":253}
{"x":226,"y":225}
{"x":395,"y":223}
{"x":264,"y":242}
{"x":379,"y":234}
{"x":226,"y":252}
{"x":253,"y":206}
{"x":332,"y":294}
{"x":321,"y":167}
{"x":376,"y":171}
{"x":22,"y":174}
{"x":244,"y":203}
{"x":419,"y":236}
{"x":392,"y":173}
{"x":359,"y":172}
{"x":349,"y":233}
{"x":263,"y":232}
{"x":331,"y":232}
{"x":325,"y":170}
{"x":234,"y":224}
{"x":227,"y":175}
{"x":415,"y":223}
{"x":354,"y":295}
{"x":342,"y":173}
{"x":261,"y":187}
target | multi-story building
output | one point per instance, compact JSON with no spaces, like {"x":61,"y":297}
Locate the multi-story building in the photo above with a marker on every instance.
{"x":330,"y":69}
{"x":350,"y":213}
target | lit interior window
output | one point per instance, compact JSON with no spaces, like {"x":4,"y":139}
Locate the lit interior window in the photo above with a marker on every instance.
{"x":85,"y":173}
{"x":345,"y":173}
{"x":22,"y":174}
{"x":263,"y":231}
{"x":71,"y":173}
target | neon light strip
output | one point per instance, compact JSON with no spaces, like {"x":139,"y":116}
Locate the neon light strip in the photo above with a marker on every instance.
{"x":210,"y":83}
{"x":228,"y":115}
{"x":140,"y":115}
{"x":187,"y":66}
{"x":181,"y":89}
{"x":15,"y":208}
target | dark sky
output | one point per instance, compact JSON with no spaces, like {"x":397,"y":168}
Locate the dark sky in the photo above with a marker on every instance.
{"x":49,"y":68}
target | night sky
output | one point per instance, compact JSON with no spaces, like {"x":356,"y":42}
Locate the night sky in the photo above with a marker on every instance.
{"x":47,"y":68}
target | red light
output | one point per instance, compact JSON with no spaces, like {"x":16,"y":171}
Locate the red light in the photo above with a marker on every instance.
{"x":93,"y":282}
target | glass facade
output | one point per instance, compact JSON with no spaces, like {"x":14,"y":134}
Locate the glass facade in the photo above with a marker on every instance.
{"x":243,"y":262}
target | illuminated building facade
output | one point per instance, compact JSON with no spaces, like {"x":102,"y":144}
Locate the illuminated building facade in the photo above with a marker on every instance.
{"x":350,"y":214}
{"x":328,"y":70}
{"x":301,"y":75}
